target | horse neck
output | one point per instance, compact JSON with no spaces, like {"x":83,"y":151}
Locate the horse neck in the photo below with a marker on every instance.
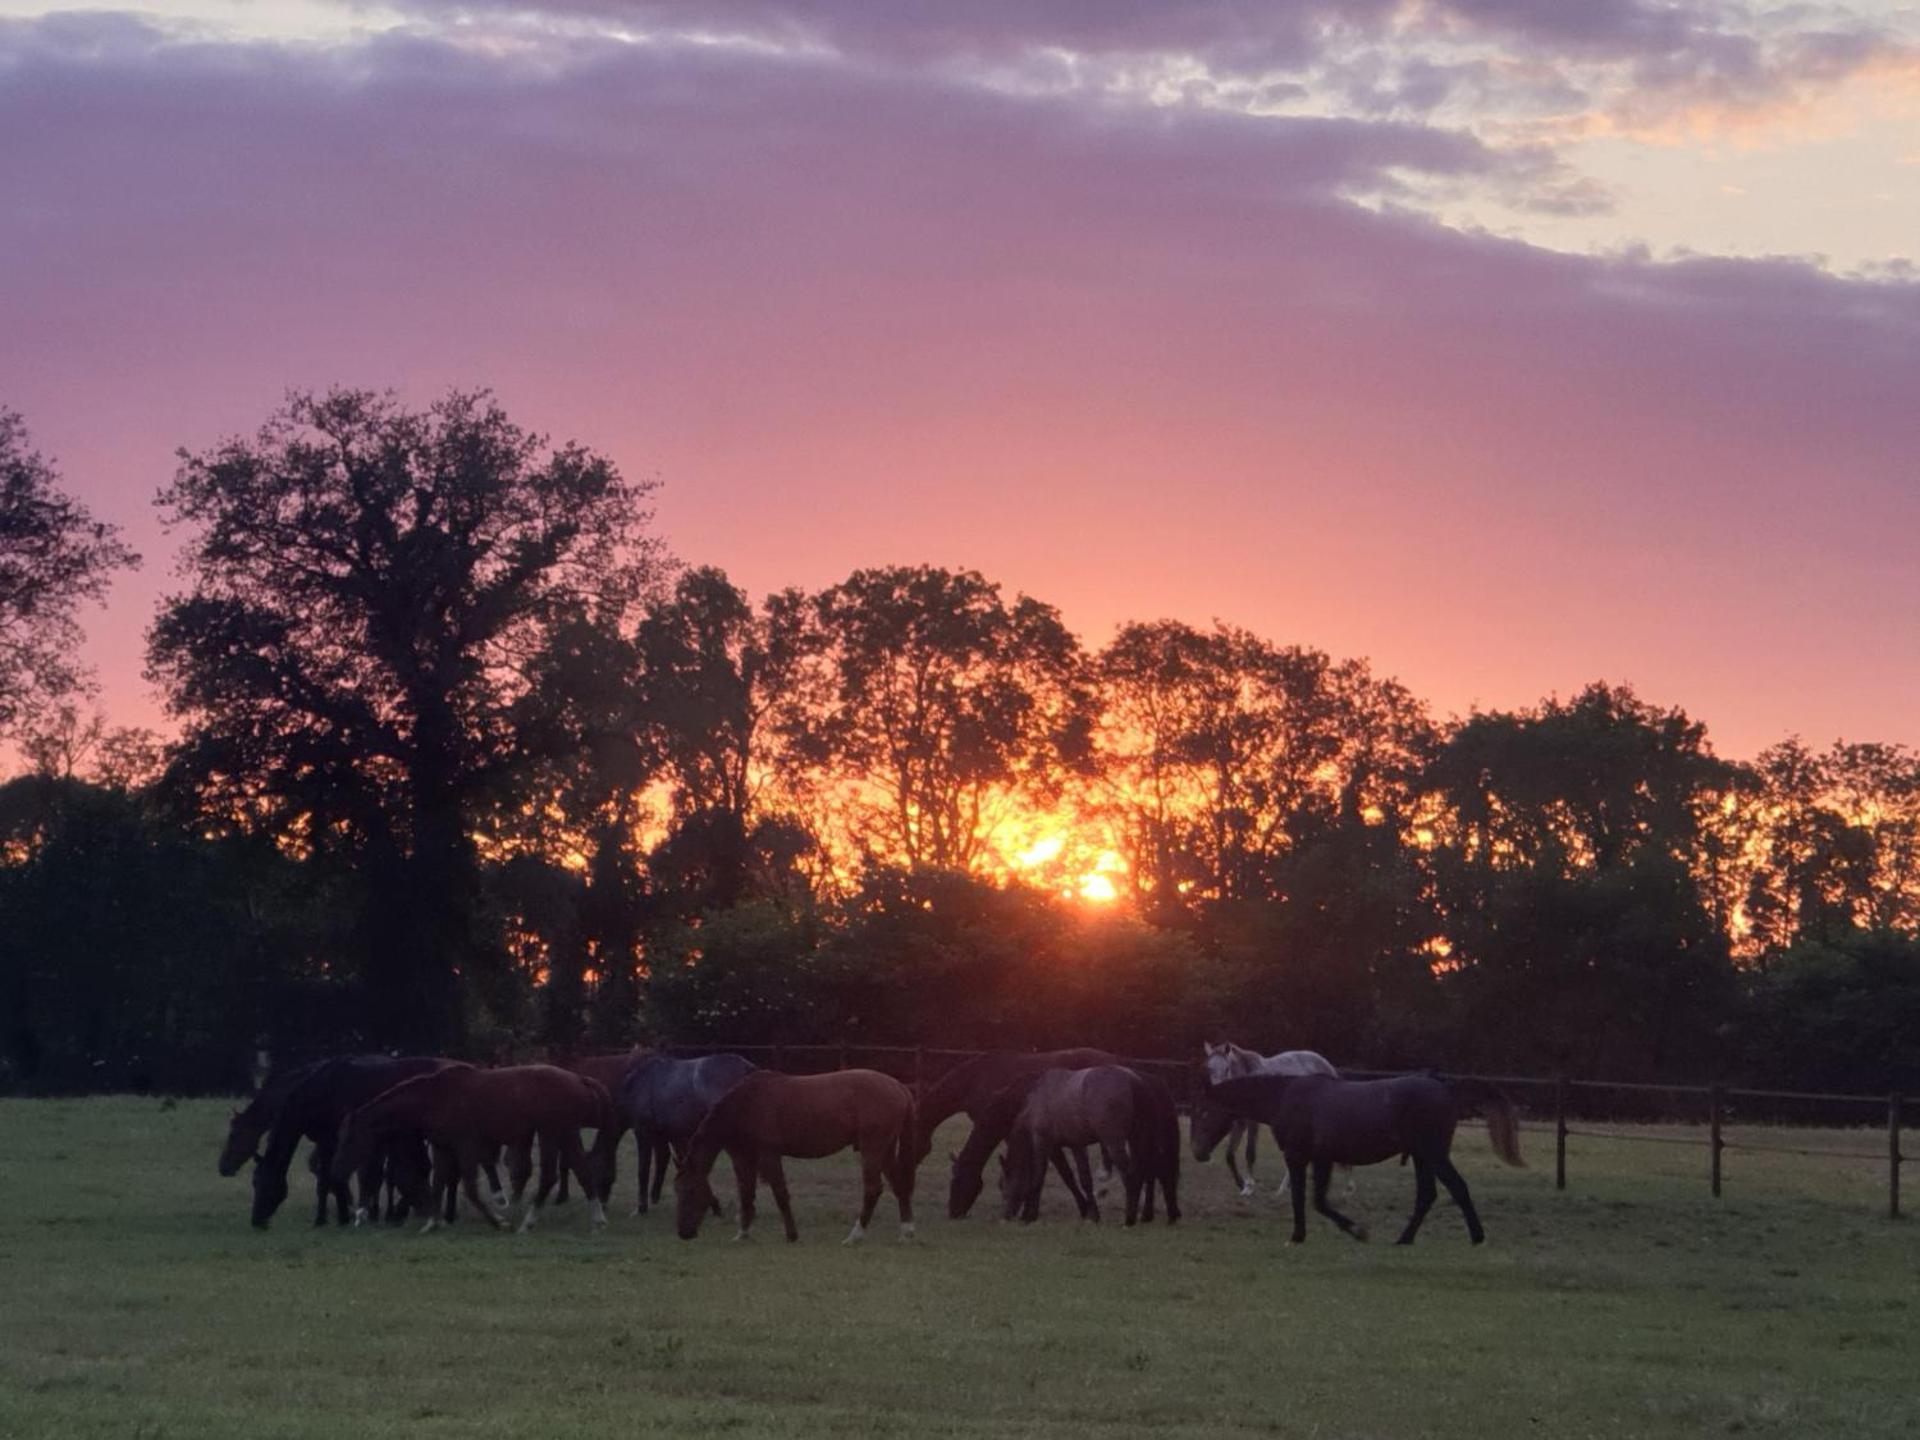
{"x":945,"y":1097}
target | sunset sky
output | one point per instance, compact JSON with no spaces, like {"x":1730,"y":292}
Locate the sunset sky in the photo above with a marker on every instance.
{"x":1510,"y":343}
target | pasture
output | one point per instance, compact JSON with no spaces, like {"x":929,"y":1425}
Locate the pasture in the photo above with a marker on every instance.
{"x":137,"y":1302}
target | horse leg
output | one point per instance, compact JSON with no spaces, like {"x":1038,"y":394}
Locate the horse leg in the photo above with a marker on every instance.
{"x":745,"y":1175}
{"x":900,"y":1177}
{"x":873,"y":1163}
{"x":1253,"y":1145}
{"x":1322,"y":1173}
{"x":470,"y":1182}
{"x":490,"y":1162}
{"x":775,"y":1175}
{"x":1297,"y":1183}
{"x":442,"y":1180}
{"x":1128,"y":1165}
{"x":1235,"y":1132}
{"x":1457,"y":1188}
{"x":662,"y":1148}
{"x":549,"y":1172}
{"x":1080,"y":1200}
{"x":643,"y":1143}
{"x":1084,"y":1168}
{"x":574,"y":1154}
{"x":519,"y":1170}
{"x":1424,"y":1191}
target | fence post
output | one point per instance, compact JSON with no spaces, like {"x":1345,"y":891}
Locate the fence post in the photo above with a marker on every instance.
{"x":1893,"y":1157}
{"x":1560,"y":1133}
{"x":1714,"y":1140}
{"x":843,"y":1054}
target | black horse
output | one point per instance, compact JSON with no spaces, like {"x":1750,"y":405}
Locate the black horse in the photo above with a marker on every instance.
{"x":310,"y":1105}
{"x":1321,"y":1121}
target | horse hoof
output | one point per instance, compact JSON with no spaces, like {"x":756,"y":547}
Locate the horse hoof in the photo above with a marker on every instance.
{"x":359,"y":1217}
{"x":856,"y":1235}
{"x":1248,"y":1190}
{"x":742,"y":1235}
{"x":1360,"y":1233}
{"x":906,"y":1231}
{"x":1293,"y":1242}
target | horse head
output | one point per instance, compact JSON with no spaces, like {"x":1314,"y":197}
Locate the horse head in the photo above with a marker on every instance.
{"x":244,"y":1129}
{"x":1211,"y":1120}
{"x":967,"y":1183}
{"x":692,"y":1197}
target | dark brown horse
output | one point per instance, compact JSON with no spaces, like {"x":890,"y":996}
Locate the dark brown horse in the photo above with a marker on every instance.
{"x":1320,"y":1122}
{"x":767,"y":1116}
{"x":1128,"y":1116}
{"x":468,"y":1115}
{"x":308,"y":1103}
{"x":608,"y":1070}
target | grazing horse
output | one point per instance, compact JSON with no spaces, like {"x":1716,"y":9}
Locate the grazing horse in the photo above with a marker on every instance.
{"x":990,"y":1130}
{"x":309,"y":1105}
{"x":1105,"y":1105}
{"x":767,"y":1115}
{"x":608,"y":1070}
{"x":972,"y":1084}
{"x":1321,"y":1121}
{"x":663,"y":1101}
{"x":1227,"y":1061}
{"x":468,"y":1115}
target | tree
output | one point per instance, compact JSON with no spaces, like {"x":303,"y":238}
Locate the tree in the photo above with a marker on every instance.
{"x":927,"y":699}
{"x":53,"y":557}
{"x":370,"y":588}
{"x":1569,"y":864}
{"x":1217,"y":745}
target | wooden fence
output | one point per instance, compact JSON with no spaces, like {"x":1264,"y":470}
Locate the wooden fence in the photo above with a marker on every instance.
{"x":1574,"y":1107}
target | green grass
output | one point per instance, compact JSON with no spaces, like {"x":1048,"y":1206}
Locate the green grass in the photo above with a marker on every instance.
{"x":136,"y":1302}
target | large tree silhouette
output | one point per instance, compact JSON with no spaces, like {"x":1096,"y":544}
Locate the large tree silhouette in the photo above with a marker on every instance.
{"x":928,"y":697}
{"x":370,"y":586}
{"x":53,"y":557}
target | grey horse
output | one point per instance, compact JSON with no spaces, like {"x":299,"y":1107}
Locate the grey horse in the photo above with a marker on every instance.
{"x":663,"y":1101}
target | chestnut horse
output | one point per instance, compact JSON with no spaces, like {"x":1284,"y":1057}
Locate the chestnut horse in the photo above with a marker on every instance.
{"x":1321,"y":1122}
{"x":767,"y":1116}
{"x":308,"y":1103}
{"x":468,"y":1115}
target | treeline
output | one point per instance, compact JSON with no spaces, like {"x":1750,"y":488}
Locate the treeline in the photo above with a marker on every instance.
{"x":464,"y":764}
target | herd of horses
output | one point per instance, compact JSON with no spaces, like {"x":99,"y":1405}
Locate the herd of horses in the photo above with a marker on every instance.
{"x":394,"y":1136}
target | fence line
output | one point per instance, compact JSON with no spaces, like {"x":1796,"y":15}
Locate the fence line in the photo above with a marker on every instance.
{"x":1560,"y":1091}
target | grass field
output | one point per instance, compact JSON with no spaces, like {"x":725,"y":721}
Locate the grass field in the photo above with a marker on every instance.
{"x":137,"y":1302}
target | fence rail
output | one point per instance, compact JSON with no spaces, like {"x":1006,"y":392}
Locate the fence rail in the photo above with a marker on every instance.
{"x":1556,"y":1097}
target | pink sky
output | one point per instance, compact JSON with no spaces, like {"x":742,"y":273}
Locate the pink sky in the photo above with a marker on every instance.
{"x":864,"y":293}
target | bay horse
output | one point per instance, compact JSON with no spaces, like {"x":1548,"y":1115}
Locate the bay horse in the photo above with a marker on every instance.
{"x":1321,"y":1121}
{"x":767,"y":1116}
{"x":1130,"y":1117}
{"x":608,"y":1070}
{"x":308,"y":1103}
{"x":1227,"y":1061}
{"x":468,"y":1115}
{"x":663,"y":1100}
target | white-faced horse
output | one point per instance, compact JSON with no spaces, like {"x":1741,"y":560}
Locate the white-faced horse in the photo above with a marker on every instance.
{"x":1227,"y":1061}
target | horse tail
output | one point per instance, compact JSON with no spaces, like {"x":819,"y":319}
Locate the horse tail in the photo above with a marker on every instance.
{"x":1503,"y":1122}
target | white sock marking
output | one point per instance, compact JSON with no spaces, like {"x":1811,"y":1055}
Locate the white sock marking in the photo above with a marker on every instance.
{"x":858,"y":1233}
